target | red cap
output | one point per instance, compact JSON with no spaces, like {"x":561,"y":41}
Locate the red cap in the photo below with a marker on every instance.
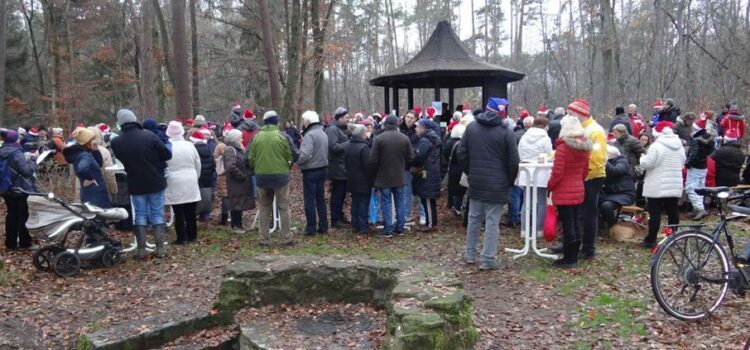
{"x":248,"y":114}
{"x":431,"y":112}
{"x":524,"y":113}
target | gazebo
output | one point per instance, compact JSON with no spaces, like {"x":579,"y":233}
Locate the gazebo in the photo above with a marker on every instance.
{"x":444,"y":62}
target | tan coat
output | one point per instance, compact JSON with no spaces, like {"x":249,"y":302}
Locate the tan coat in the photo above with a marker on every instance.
{"x":221,"y":180}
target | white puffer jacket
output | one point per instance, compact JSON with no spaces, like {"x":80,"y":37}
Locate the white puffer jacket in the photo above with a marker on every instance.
{"x":184,"y":167}
{"x":663,"y":164}
{"x":534,"y":142}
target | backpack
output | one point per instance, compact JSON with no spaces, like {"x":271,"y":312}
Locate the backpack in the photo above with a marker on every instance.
{"x":6,"y":178}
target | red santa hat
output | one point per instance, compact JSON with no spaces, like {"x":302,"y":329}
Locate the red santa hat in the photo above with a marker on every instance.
{"x":81,"y":125}
{"x":658,"y":104}
{"x":104,"y":128}
{"x":418,"y":111}
{"x":431,"y":112}
{"x":731,"y":135}
{"x":197,"y":137}
{"x":524,"y":114}
{"x":466,"y":109}
{"x":611,"y":137}
{"x":189,"y":122}
{"x":34,"y":132}
{"x":248,"y":114}
{"x":700,"y":124}
{"x":542,"y":110}
{"x":663,"y":128}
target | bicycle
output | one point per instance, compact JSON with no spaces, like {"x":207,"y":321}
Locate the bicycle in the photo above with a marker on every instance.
{"x":695,"y":264}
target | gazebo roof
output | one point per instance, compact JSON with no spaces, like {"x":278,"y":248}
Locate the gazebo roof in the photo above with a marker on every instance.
{"x":445,"y":61}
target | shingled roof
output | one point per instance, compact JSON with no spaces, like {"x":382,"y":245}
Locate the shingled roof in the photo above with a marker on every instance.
{"x":445,"y":61}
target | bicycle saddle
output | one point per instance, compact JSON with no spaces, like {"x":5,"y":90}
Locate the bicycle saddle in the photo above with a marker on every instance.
{"x":739,"y":210}
{"x":711,"y":190}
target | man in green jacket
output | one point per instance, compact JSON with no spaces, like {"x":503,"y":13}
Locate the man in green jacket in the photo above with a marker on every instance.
{"x":271,"y":156}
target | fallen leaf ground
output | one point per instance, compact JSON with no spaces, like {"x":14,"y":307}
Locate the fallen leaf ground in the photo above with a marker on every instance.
{"x":527,"y":304}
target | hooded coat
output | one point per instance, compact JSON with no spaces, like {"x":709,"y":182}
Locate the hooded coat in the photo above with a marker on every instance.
{"x":144,"y":156}
{"x":663,"y":164}
{"x":489,"y":154}
{"x":701,"y":146}
{"x":729,"y":160}
{"x":533,"y":143}
{"x":427,"y":157}
{"x":734,"y":121}
{"x":184,"y":169}
{"x":87,"y":166}
{"x":619,"y":186}
{"x":208,"y":166}
{"x":569,"y":169}
{"x":337,"y":143}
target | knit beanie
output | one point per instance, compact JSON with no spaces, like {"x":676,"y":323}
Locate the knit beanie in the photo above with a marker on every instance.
{"x":357,"y":130}
{"x":579,"y":107}
{"x":199,"y":121}
{"x":234,"y":136}
{"x":125,"y":116}
{"x":340,"y":112}
{"x":175,"y":129}
{"x":83,"y":135}
{"x":10,"y":136}
{"x":391,"y":120}
{"x":498,"y":105}
{"x":271,"y":117}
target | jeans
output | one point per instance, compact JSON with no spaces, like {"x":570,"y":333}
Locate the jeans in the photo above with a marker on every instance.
{"x":338,"y":196}
{"x":589,"y":215}
{"x":696,"y":178}
{"x":360,"y":206}
{"x":314,"y":185}
{"x":571,"y":226}
{"x":16,"y":234}
{"x":655,"y":207}
{"x":266,"y":196}
{"x":490,"y":214}
{"x":398,"y":195}
{"x":541,"y":209}
{"x":430,"y":205}
{"x":148,"y":209}
{"x":408,"y":195}
{"x":184,"y":222}
{"x":457,"y":202}
{"x":514,"y":207}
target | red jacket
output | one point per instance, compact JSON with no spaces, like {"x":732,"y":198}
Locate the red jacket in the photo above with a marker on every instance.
{"x":734,"y":122}
{"x":637,"y":124}
{"x":570,"y":168}
{"x":248,"y":136}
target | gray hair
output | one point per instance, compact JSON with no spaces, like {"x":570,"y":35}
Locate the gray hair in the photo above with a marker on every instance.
{"x":559,"y":111}
{"x":620,"y":128}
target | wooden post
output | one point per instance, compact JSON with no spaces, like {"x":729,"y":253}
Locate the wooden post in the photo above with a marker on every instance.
{"x":396,"y":100}
{"x":450,"y":104}
{"x":387,"y":98}
{"x":437,"y":92}
{"x":410,"y":102}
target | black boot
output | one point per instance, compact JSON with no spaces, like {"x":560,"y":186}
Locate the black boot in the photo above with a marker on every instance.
{"x":224,"y":219}
{"x":159,"y":233}
{"x":140,"y":239}
{"x":570,"y":255}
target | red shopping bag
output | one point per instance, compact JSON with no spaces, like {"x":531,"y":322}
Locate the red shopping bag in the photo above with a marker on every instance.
{"x":550,"y":223}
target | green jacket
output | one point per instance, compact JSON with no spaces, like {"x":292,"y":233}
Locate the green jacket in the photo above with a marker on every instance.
{"x":270,"y":153}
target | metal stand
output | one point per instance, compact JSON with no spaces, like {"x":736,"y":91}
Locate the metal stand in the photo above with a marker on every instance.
{"x":276,"y":218}
{"x":530,"y":212}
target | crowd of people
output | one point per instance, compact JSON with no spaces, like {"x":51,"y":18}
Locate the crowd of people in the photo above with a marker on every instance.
{"x":393,"y":169}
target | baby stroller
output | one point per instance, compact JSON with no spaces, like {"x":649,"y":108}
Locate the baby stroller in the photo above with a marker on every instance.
{"x":52,"y":221}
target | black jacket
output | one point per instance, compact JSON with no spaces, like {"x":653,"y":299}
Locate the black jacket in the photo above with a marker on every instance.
{"x":701,"y":146}
{"x":454,"y":168}
{"x":729,"y":160}
{"x":554,"y":129}
{"x":337,"y":143}
{"x":144,"y":157}
{"x":489,"y":154}
{"x":391,"y":153}
{"x":619,"y":186}
{"x":357,"y":158}
{"x":669,"y":114}
{"x":427,"y":157}
{"x":621,"y":119}
{"x":208,"y":166}
{"x":21,"y":169}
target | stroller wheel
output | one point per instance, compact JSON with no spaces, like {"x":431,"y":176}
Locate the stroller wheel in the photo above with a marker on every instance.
{"x":111,"y":257}
{"x":42,"y":258}
{"x":66,"y":264}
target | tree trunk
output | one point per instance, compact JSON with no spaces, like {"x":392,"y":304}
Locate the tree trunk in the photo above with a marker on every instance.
{"x":28,"y":16}
{"x":303,"y":53}
{"x":3,"y":35}
{"x":179,"y":43}
{"x":293,"y":49}
{"x":609,"y":59}
{"x":164,"y":34}
{"x":194,"y":62}
{"x":317,"y":54}
{"x":146,"y":58}
{"x":268,"y":54}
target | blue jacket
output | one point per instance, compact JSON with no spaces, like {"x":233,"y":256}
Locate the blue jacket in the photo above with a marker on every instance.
{"x":87,"y":166}
{"x":21,"y":169}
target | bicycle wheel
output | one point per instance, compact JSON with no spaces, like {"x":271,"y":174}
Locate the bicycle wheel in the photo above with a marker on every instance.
{"x":690,"y":275}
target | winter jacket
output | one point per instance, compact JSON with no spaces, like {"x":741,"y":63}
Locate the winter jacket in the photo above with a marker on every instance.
{"x":21,"y":169}
{"x":637,"y":125}
{"x":337,"y":143}
{"x":28,"y":141}
{"x":533,"y":143}
{"x":598,"y":159}
{"x":729,"y":160}
{"x":669,"y":114}
{"x":569,"y":170}
{"x":427,"y":158}
{"x":631,"y":148}
{"x":683,"y":130}
{"x":391,"y":153}
{"x":294,"y":135}
{"x":248,"y":127}
{"x":208,"y":167}
{"x":184,"y":169}
{"x":88,"y":169}
{"x":663,"y":165}
{"x":450,"y":149}
{"x":554,"y":129}
{"x":313,"y":153}
{"x":621,"y":119}
{"x":732,"y":121}
{"x":59,"y":146}
{"x":356,"y":159}
{"x":151,"y":125}
{"x":701,"y":146}
{"x":619,"y":187}
{"x":411,"y":133}
{"x":489,"y":154}
{"x":271,"y":156}
{"x":144,"y":157}
{"x":518,"y":131}
{"x":240,"y":193}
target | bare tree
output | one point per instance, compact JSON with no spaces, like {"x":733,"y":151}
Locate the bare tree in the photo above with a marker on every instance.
{"x":3,"y":53}
{"x":194,"y":61}
{"x":179,"y":42}
{"x":146,"y":59}
{"x":268,"y":54}
{"x":293,"y":50}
